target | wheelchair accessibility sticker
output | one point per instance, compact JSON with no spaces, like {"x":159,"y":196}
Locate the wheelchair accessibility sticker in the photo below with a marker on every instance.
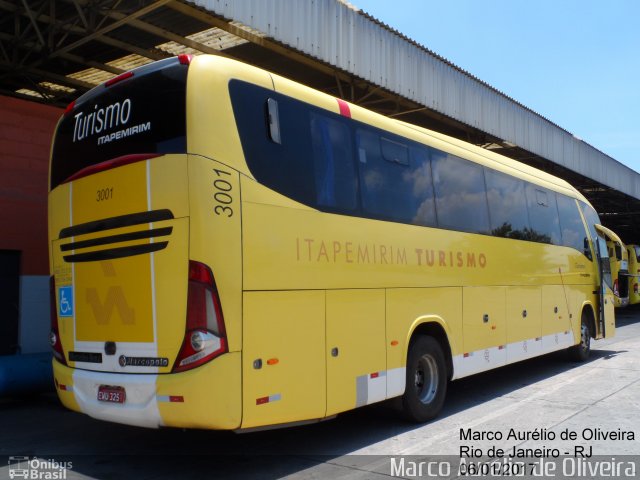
{"x":65,"y":301}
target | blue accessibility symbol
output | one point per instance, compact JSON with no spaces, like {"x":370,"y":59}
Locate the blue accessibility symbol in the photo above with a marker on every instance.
{"x":65,"y":301}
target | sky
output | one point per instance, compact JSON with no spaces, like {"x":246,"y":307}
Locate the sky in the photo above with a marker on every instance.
{"x":575,"y":62}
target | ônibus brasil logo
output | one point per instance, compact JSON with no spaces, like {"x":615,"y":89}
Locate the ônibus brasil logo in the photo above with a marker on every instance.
{"x":38,"y":468}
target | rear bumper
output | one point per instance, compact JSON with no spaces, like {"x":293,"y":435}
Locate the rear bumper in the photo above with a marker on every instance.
{"x":206,"y":397}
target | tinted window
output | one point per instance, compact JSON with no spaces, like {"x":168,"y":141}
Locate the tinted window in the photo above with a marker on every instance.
{"x":599,"y":243}
{"x":144,"y":114}
{"x":395,"y":179}
{"x":507,"y":206}
{"x":420,"y":183}
{"x":543,"y":215}
{"x":287,"y":167}
{"x":334,"y":171}
{"x":396,"y":152}
{"x":591,"y":217}
{"x":461,"y":197}
{"x":312,"y":159}
{"x":573,"y":233}
{"x":332,"y":163}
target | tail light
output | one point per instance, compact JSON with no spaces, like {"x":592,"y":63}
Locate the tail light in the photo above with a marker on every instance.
{"x":54,"y":334}
{"x":616,"y":291}
{"x":635,"y":288}
{"x":205,"y":336}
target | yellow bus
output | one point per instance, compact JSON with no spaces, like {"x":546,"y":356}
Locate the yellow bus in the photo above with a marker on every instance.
{"x":233,"y":250}
{"x":618,"y":257}
{"x":633,"y":252}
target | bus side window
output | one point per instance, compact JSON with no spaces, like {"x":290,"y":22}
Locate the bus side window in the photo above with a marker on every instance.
{"x":395,"y":178}
{"x":394,"y":151}
{"x":507,"y":205}
{"x":543,"y":215}
{"x":461,"y":195}
{"x":573,"y":233}
{"x":333,"y":168}
{"x":592,"y":219}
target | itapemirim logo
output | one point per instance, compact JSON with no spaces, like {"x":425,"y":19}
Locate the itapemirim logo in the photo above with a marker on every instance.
{"x":38,"y":468}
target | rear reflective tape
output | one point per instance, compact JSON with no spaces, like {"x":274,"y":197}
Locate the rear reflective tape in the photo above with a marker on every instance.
{"x":269,"y":399}
{"x":170,"y":398}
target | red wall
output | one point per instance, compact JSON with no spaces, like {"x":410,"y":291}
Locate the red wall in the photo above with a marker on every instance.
{"x":26,"y":129}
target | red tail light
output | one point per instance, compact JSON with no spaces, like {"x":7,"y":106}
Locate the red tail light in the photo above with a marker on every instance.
{"x":54,"y":335}
{"x":616,"y":291}
{"x":205,"y":336}
{"x":635,"y":288}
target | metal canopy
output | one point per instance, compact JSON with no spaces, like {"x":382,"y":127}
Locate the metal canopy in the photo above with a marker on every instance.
{"x":54,"y":50}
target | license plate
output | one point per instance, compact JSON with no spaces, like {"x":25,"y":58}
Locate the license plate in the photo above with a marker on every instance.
{"x":110,"y":394}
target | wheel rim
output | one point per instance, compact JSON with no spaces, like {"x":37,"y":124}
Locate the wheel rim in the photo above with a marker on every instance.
{"x":584,"y":333}
{"x":426,"y":379}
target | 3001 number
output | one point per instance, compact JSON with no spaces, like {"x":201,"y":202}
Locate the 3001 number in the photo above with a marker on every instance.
{"x":104,"y":194}
{"x":222,"y":195}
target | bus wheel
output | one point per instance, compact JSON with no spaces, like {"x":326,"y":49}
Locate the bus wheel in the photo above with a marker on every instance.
{"x":426,"y":384}
{"x":580,"y":352}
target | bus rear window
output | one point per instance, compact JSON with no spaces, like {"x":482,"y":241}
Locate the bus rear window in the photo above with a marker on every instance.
{"x":142,"y":114}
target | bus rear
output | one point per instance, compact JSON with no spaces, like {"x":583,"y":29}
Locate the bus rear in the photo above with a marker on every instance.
{"x":633,"y":252}
{"x":619,"y":271}
{"x":139,"y":329}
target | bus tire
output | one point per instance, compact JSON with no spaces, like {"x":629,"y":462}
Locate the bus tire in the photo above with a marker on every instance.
{"x":581,"y":351}
{"x":426,"y":382}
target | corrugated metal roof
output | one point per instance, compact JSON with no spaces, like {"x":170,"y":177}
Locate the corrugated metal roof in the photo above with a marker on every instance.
{"x":339,"y":34}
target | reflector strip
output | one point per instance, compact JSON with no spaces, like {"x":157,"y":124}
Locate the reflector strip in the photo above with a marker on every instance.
{"x":345,"y":111}
{"x":501,"y":347}
{"x":170,"y":398}
{"x":269,"y":399}
{"x":375,"y":375}
{"x":66,"y":388}
{"x":272,"y":361}
{"x":185,"y":59}
{"x":394,"y":343}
